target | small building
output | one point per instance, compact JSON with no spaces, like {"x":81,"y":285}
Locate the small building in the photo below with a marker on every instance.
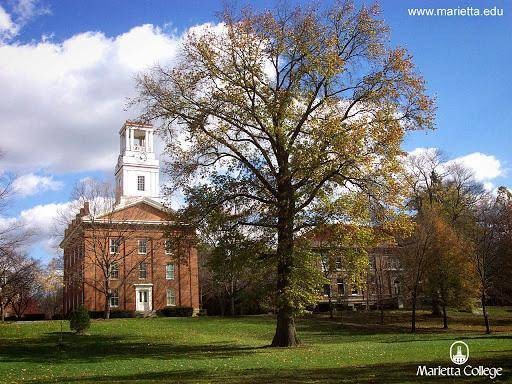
{"x":132,"y":253}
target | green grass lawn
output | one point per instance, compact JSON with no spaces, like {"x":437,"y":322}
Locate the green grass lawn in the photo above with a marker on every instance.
{"x":223,"y":350}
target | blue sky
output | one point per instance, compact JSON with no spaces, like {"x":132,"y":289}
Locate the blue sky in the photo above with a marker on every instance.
{"x":66,"y":68}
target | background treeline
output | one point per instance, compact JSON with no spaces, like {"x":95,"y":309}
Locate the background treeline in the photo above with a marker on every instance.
{"x":454,"y":252}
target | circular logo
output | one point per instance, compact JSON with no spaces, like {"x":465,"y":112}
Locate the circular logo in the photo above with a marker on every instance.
{"x":459,"y":352}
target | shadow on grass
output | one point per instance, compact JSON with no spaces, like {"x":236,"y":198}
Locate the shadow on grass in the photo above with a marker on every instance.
{"x":368,"y":323}
{"x":90,"y":348}
{"x":388,"y":373}
{"x":326,"y":331}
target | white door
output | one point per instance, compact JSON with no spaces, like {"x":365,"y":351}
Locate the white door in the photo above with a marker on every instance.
{"x":143,"y":299}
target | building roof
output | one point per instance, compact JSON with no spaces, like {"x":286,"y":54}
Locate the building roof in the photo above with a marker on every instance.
{"x":135,"y":201}
{"x":160,"y":215}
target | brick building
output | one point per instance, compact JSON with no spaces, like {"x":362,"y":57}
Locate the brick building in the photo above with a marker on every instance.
{"x":379,"y":284}
{"x":130,"y":252}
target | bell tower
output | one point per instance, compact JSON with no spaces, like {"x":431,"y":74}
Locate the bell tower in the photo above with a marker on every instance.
{"x":137,"y":170}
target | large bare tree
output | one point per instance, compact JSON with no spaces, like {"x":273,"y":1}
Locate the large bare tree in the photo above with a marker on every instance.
{"x":16,"y":269}
{"x":283,"y":111}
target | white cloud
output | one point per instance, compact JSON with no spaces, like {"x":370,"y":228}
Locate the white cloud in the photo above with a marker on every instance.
{"x":7,"y":222}
{"x":22,"y":11}
{"x":41,"y":218}
{"x":417,"y":152}
{"x":484,"y":167}
{"x":31,"y":184}
{"x":62,"y":104}
{"x":46,"y":223}
{"x":7,"y":27}
{"x":28,"y":9}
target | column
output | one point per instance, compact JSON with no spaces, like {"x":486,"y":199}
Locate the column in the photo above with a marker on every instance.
{"x":127,"y":139}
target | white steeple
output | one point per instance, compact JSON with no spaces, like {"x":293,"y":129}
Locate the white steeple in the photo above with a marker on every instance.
{"x":137,"y":169}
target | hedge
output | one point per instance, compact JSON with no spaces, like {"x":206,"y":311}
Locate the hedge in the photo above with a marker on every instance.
{"x":176,"y":312}
{"x":114,"y":314}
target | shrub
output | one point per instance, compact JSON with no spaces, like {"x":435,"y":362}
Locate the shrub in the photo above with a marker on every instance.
{"x":79,"y":320}
{"x":33,"y":316}
{"x":176,"y":312}
{"x":121,"y":314}
{"x":96,"y":314}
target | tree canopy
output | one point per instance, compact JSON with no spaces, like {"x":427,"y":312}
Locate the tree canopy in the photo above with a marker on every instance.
{"x":289,"y":117}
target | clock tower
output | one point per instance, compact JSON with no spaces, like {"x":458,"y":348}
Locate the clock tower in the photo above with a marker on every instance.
{"x":137,"y":169}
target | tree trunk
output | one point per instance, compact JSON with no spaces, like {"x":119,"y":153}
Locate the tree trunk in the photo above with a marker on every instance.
{"x":486,"y":316}
{"x":413,"y":316}
{"x":436,"y":308}
{"x":381,"y":304}
{"x":232,"y":304}
{"x":286,"y":334}
{"x":222,"y":305}
{"x":2,"y":312}
{"x":106,"y":312}
{"x":331,"y":312}
{"x":445,"y":317}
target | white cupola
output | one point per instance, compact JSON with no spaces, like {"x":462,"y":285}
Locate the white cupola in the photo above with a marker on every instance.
{"x":137,"y":169}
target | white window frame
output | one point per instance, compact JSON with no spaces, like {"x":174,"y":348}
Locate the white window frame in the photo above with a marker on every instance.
{"x":326,"y":290}
{"x":170,"y":303}
{"x":337,"y":263}
{"x":114,"y":295}
{"x":341,"y":282}
{"x":113,"y":246}
{"x":396,"y":287}
{"x":112,"y":270}
{"x":145,"y":246}
{"x":141,"y":182}
{"x":145,"y":269}
{"x":167,"y":245}
{"x":167,"y":270}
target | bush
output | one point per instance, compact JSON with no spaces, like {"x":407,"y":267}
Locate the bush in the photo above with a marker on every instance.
{"x":96,"y":314}
{"x":121,"y":314}
{"x":176,"y":312}
{"x":33,"y":316}
{"x":79,"y":320}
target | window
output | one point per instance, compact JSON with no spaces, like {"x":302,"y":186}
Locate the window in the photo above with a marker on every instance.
{"x":141,"y":183}
{"x":143,"y":247}
{"x":355,"y":290}
{"x":394,"y":264}
{"x":168,"y":247}
{"x":396,"y":287}
{"x":341,"y":286}
{"x":171,"y":298}
{"x":338,"y":264}
{"x":114,"y":245}
{"x":143,"y":270}
{"x":327,"y":289}
{"x":114,"y":271}
{"x":114,"y":298}
{"x":169,"y":271}
{"x":139,"y":138}
{"x":143,"y":296}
